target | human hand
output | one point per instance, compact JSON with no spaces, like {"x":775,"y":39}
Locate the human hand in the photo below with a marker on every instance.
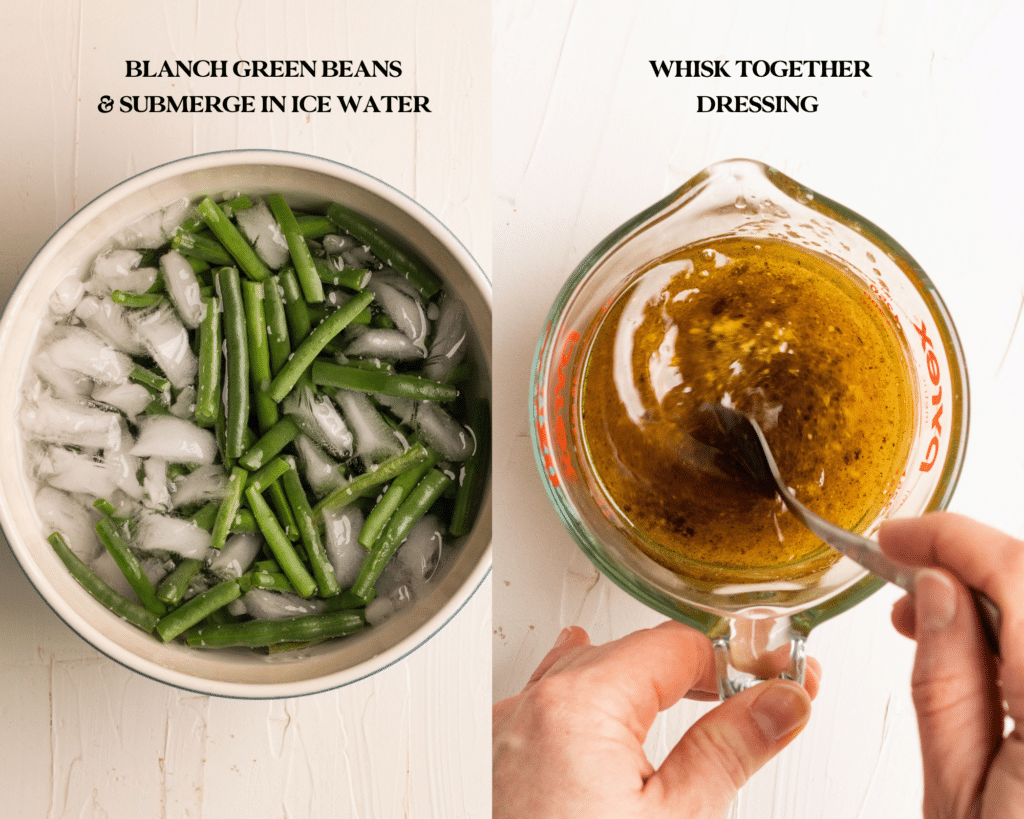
{"x":959,"y":689}
{"x":571,"y":743}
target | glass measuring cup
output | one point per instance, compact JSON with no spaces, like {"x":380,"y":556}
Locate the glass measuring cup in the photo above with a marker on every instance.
{"x":758,"y":625}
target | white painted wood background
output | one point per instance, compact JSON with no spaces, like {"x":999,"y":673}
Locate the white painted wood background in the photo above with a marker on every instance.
{"x":583,"y":138}
{"x":928,"y":148}
{"x":79,"y":735}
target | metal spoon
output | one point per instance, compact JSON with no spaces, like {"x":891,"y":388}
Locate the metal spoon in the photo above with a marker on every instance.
{"x":747,"y":445}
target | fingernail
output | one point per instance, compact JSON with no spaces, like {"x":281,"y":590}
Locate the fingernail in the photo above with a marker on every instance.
{"x":563,"y":635}
{"x":934,"y":600}
{"x":781,"y":710}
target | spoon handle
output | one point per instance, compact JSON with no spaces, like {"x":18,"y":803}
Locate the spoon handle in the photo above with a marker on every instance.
{"x":869,"y":555}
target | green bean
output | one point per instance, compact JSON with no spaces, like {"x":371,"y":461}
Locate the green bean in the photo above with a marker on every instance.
{"x":157,"y":407}
{"x":90,"y":581}
{"x":244,"y":522}
{"x":474,"y":471}
{"x":385,"y":249}
{"x":277,"y":325}
{"x":414,"y":507}
{"x":318,"y":312}
{"x":461,"y":372}
{"x":208,"y":386}
{"x":129,"y":565}
{"x":262,"y":478}
{"x":201,"y":247}
{"x":314,"y":343}
{"x":175,"y":471}
{"x":149,"y":379}
{"x":347,"y":600}
{"x":312,"y":288}
{"x":104,"y":507}
{"x":240,"y":202}
{"x":328,"y":374}
{"x":228,"y":507}
{"x":196,"y":609}
{"x":396,"y":493}
{"x":233,"y":241}
{"x":295,"y":308}
{"x":135,"y":299}
{"x":198,"y":266}
{"x":273,"y":581}
{"x":313,"y":226}
{"x":173,"y":587}
{"x":237,"y":353}
{"x":354,"y":278}
{"x":259,"y":352}
{"x":259,"y":633}
{"x":283,"y":511}
{"x":385,"y":471}
{"x":279,"y":544}
{"x":323,"y":572}
{"x":205,"y":516}
{"x":270,"y":444}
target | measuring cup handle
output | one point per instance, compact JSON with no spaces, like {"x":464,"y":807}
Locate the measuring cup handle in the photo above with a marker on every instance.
{"x":749,"y":651}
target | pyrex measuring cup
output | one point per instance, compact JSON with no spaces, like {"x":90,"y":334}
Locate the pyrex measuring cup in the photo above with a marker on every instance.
{"x":759,"y":628}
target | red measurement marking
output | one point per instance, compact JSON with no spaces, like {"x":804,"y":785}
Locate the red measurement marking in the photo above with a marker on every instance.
{"x":934,"y":375}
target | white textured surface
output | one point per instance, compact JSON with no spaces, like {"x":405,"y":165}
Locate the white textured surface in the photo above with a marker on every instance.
{"x":79,"y":735}
{"x":585,"y":137}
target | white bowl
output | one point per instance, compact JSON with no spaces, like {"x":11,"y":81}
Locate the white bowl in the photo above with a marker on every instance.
{"x":304,"y":180}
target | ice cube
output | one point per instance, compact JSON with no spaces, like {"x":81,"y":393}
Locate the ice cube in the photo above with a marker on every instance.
{"x":373,"y":342}
{"x":118,"y":269}
{"x":129,"y":397}
{"x":108,"y":320}
{"x":203,"y":484}
{"x":166,"y":339}
{"x":82,"y":351}
{"x":405,"y":311}
{"x":375,"y":440}
{"x":183,"y":287}
{"x":175,"y":440}
{"x":161,"y":535}
{"x":318,"y":418}
{"x":71,"y":423}
{"x":263,"y":604}
{"x":67,"y":294}
{"x":341,"y":533}
{"x":450,"y":342}
{"x":259,"y":226}
{"x":235,"y":557}
{"x":59,"y":512}
{"x":442,"y":432}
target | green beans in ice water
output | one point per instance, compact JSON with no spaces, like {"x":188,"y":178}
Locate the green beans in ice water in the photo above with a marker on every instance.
{"x":312,"y":288}
{"x":281,"y":547}
{"x":129,"y":565}
{"x":314,"y":343}
{"x":260,"y":633}
{"x":90,"y":581}
{"x":328,"y":374}
{"x":209,"y":381}
{"x":237,"y":354}
{"x":413,"y":508}
{"x":233,"y":241}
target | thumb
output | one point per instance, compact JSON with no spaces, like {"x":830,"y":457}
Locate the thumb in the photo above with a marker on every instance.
{"x":726,"y":746}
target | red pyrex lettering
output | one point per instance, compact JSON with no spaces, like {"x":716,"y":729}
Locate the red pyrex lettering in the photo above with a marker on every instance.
{"x":561,"y":435}
{"x":934,"y":375}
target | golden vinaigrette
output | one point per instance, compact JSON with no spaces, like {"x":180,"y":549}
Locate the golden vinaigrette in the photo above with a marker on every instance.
{"x":771,"y":329}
